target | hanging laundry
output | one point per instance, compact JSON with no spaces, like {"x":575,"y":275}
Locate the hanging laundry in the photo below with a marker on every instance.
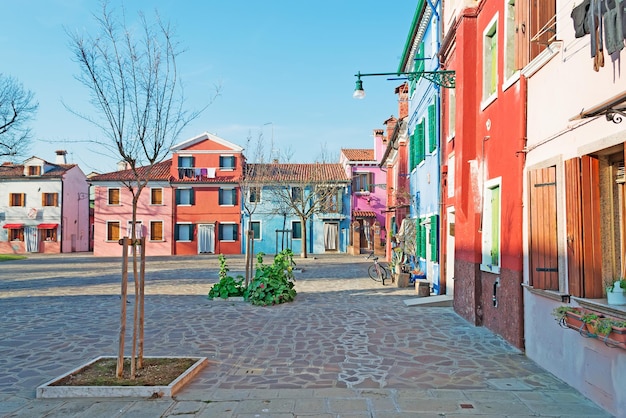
{"x":594,"y":18}
{"x":613,"y":34}
{"x":579,"y":16}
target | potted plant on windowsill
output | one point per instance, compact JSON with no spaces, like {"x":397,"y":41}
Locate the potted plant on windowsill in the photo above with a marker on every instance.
{"x":615,"y":292}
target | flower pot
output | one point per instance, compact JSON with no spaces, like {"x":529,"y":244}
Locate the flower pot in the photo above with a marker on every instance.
{"x":616,"y":296}
{"x":618,"y":334}
{"x":573,"y":320}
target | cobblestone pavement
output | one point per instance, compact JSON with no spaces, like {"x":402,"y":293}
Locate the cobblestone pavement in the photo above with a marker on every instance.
{"x":346,"y":347}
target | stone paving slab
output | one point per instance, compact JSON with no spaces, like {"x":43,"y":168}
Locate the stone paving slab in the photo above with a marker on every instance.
{"x":346,"y":347}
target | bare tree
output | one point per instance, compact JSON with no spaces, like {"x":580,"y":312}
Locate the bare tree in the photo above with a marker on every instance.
{"x":17,"y":108}
{"x":131,"y":74}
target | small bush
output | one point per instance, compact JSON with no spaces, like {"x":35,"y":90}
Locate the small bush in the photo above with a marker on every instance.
{"x":227,"y":286}
{"x":272,"y":284}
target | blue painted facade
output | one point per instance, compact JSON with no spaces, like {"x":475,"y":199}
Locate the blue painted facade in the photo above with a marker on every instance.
{"x":280,"y":229}
{"x":421,"y":54}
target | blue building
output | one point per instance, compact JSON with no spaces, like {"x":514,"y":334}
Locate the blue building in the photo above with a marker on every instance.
{"x":421,"y":54}
{"x":303,"y":207}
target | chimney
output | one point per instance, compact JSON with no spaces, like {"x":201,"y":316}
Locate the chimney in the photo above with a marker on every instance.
{"x":122,"y":165}
{"x":391,"y":125}
{"x":60,"y":157}
{"x":403,"y":100}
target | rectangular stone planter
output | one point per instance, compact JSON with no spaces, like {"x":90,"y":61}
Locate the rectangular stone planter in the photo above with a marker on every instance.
{"x":48,"y":391}
{"x":403,"y":279}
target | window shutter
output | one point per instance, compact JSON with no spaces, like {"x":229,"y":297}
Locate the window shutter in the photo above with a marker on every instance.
{"x":412,"y":152}
{"x":220,"y":233}
{"x":420,"y":142}
{"x":234,"y":196}
{"x":178,"y":195}
{"x":495,"y":226}
{"x":43,"y":199}
{"x":370,"y":182}
{"x":236,"y":232}
{"x":434,"y":235}
{"x":432,"y":128}
{"x":544,"y":273}
{"x":192,"y":196}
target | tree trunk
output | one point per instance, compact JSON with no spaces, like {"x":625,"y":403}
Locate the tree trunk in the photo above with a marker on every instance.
{"x":123,"y":295}
{"x":142,"y":292}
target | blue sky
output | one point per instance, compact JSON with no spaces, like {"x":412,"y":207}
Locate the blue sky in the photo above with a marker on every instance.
{"x":286,"y":68}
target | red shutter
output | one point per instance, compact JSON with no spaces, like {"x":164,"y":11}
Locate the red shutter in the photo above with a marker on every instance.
{"x":584,"y":251}
{"x":544,"y":263}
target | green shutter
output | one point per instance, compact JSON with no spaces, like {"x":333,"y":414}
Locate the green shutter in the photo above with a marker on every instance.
{"x":495,"y":226}
{"x":192,"y":196}
{"x":234,"y":199}
{"x":420,"y":151}
{"x":412,"y":152}
{"x":434,"y":235}
{"x":432,"y":128}
{"x":422,"y":238}
{"x":178,"y":195}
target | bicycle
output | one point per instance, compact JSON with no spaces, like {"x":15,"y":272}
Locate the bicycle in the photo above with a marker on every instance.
{"x":377,"y":271}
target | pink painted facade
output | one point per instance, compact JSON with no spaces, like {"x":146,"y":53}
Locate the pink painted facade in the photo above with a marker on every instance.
{"x":154,"y":217}
{"x":368,"y":191}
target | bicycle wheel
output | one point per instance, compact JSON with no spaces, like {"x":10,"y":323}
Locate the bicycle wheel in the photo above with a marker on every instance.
{"x":373,"y":273}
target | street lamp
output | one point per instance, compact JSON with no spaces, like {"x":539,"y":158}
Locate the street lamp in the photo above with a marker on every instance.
{"x":442,"y":78}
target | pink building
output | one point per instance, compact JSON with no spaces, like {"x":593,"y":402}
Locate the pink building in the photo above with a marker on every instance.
{"x":369,"y":195}
{"x":113,"y":211}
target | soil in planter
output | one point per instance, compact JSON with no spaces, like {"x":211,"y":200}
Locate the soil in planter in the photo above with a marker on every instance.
{"x":155,"y":372}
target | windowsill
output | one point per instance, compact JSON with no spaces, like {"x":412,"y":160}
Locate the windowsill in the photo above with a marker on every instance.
{"x":601,"y":305}
{"x":184,"y":240}
{"x":228,"y":240}
{"x":157,"y":204}
{"x":487,"y":101}
{"x":156,"y":240}
{"x":227,"y":206}
{"x":550,"y":294}
{"x":184,"y":204}
{"x":488,"y":268}
{"x":226,"y":169}
{"x":114,"y":204}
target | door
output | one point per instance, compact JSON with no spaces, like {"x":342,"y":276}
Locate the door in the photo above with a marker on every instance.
{"x":31,"y":236}
{"x":450,"y":252}
{"x":206,"y":238}
{"x":331,"y":236}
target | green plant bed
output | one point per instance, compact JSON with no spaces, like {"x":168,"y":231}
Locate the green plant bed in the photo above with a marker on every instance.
{"x":272,"y":284}
{"x":228,"y":286}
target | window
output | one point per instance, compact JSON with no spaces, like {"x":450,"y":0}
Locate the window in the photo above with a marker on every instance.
{"x":417,"y":66}
{"x":420,"y":238}
{"x":491,"y":227}
{"x":228,"y":197}
{"x":296,"y":228}
{"x":49,"y":234}
{"x":254,"y":195}
{"x":544,"y":262}
{"x":16,"y":234}
{"x":330,"y":199}
{"x":183,"y":232}
{"x":509,"y":40}
{"x":490,"y":60}
{"x":227,"y":162}
{"x":34,"y":170}
{"x":114,"y":196}
{"x":297,"y":194}
{"x":49,"y":199}
{"x":256,"y":228}
{"x":451,"y":175}
{"x":185,"y":196}
{"x":113,"y":231}
{"x":186,"y":161}
{"x":17,"y":199}
{"x":228,"y":232}
{"x":451,"y":113}
{"x":156,"y":230}
{"x":432,"y":127}
{"x":433,"y":238}
{"x":539,"y":21}
{"x":363,"y":182}
{"x":156,"y":196}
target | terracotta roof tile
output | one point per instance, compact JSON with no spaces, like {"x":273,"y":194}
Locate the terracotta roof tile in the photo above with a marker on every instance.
{"x":363,"y":214}
{"x":297,"y":173}
{"x":16,"y":171}
{"x":354,"y":154}
{"x":160,"y":171}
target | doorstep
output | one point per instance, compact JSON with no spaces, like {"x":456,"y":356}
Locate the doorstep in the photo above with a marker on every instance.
{"x":438,"y":300}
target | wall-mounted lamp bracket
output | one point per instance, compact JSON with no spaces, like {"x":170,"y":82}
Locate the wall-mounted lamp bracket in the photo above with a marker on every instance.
{"x":442,"y":78}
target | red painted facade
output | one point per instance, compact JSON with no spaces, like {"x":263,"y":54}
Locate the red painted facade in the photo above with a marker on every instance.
{"x":487,"y":144}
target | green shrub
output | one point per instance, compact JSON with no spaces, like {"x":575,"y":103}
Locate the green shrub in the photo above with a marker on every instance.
{"x":272,"y":284}
{"x":227,"y":286}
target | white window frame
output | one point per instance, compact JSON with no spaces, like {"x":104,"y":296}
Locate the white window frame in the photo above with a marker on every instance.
{"x":190,"y":189}
{"x":510,"y":72}
{"x":451,"y":175}
{"x":293,"y":229}
{"x":106,"y":231}
{"x":227,"y":189}
{"x":487,"y":222}
{"x":119,"y":196}
{"x":162,"y":200}
{"x":224,"y":168}
{"x":258,"y":194}
{"x":490,"y":61}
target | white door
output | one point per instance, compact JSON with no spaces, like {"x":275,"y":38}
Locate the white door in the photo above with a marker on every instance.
{"x":331,"y":235}
{"x":450,"y":252}
{"x":31,"y":236}
{"x":206,"y":238}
